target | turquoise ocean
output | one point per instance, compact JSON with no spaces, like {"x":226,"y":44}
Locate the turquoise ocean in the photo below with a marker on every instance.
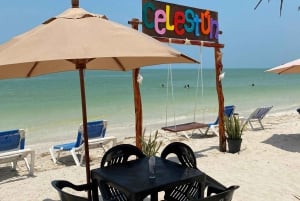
{"x":49,"y":106}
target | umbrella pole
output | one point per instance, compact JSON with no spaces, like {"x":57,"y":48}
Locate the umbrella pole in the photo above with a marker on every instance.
{"x":81,"y":67}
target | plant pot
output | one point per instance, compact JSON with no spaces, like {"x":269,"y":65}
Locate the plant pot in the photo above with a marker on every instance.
{"x":234,"y":145}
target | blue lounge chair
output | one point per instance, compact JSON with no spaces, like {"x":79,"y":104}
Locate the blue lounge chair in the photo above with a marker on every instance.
{"x":228,"y":111}
{"x":96,"y":135}
{"x":257,"y":117}
{"x":12,"y":149}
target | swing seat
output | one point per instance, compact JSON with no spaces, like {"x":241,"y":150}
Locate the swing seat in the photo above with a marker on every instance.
{"x":185,"y":127}
{"x":228,"y":111}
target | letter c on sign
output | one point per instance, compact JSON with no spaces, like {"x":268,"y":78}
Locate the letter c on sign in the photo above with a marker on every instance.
{"x":147,"y":6}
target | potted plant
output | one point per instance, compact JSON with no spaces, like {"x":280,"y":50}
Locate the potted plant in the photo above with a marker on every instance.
{"x":150,"y":144}
{"x":234,"y":130}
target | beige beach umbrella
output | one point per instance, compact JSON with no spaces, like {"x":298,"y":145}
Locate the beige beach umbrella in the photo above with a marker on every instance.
{"x":79,"y":40}
{"x":291,"y":67}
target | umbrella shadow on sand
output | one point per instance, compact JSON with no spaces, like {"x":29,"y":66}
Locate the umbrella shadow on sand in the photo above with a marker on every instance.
{"x":288,"y":142}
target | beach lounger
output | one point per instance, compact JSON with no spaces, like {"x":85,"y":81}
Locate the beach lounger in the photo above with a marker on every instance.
{"x":97,"y":138}
{"x":256,"y":117}
{"x":12,"y":149}
{"x":228,"y":111}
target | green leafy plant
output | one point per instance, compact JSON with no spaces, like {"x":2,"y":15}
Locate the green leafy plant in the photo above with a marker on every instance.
{"x":150,"y":145}
{"x":233,"y":127}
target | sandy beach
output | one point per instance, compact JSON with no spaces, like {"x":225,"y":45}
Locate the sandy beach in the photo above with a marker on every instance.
{"x":266,"y":169}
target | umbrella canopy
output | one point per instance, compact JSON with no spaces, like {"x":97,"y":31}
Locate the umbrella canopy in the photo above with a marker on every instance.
{"x":77,"y":36}
{"x":79,"y":40}
{"x":287,"y":68}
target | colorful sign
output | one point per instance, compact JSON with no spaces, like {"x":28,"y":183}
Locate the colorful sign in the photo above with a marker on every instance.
{"x":163,"y":19}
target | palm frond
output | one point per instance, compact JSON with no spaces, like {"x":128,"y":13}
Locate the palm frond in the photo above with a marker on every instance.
{"x":257,"y":4}
{"x":281,"y":5}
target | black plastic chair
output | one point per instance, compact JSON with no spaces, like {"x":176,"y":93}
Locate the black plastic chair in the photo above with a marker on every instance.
{"x":117,"y":155}
{"x":183,"y":152}
{"x":225,"y":195}
{"x":120,"y":154}
{"x":187,"y":158}
{"x":64,"y":196}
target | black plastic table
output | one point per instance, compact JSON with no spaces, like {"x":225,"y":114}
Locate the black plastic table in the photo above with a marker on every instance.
{"x":132,"y":178}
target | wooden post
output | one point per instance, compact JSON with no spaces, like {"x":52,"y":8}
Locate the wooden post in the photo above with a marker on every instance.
{"x":137,"y":96}
{"x":75,"y":3}
{"x":219,"y":68}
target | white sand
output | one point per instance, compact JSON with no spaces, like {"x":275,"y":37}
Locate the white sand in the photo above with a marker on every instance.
{"x":266,"y":169}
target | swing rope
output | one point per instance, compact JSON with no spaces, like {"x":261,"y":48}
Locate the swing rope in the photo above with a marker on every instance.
{"x":170,"y":84}
{"x":199,"y":76}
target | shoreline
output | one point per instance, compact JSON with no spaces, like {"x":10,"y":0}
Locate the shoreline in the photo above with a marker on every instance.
{"x":122,"y":133}
{"x":266,"y":169}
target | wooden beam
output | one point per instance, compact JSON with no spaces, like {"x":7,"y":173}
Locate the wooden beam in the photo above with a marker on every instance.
{"x":190,"y":42}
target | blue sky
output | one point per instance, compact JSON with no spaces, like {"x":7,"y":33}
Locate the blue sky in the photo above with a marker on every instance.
{"x":252,"y":38}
